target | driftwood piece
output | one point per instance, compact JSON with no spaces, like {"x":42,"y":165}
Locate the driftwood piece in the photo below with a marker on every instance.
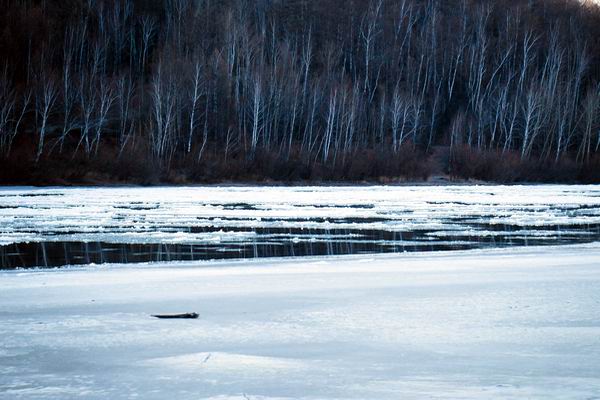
{"x":177,"y":316}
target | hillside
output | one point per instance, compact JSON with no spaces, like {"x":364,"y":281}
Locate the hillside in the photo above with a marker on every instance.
{"x":299,"y":90}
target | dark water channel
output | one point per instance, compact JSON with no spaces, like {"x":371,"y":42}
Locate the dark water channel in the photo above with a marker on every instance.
{"x":290,"y":242}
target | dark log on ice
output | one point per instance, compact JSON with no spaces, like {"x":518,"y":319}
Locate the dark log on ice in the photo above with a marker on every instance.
{"x":179,"y":316}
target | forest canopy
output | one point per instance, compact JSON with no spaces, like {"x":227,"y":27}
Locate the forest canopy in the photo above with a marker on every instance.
{"x":205,"y":90}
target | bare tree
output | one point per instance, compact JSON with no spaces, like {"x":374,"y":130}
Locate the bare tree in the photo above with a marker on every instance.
{"x":257,"y":113}
{"x":106,"y":98}
{"x":148,"y":26}
{"x":163,"y":114}
{"x":401,"y":110}
{"x":8,"y":100}
{"x":196,"y":94}
{"x":369,"y":32}
{"x":46,"y":95}
{"x":69,"y":95}
{"x":591,"y":120}
{"x":532,"y":121}
{"x":125,"y":91}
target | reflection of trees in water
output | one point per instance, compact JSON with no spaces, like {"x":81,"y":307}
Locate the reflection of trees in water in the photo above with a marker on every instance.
{"x":290,"y":242}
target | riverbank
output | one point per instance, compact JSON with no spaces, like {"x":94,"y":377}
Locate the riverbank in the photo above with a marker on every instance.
{"x":508,"y":323}
{"x":411,"y":167}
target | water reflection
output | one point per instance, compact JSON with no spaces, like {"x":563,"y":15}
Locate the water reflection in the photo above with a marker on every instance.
{"x":285,"y":242}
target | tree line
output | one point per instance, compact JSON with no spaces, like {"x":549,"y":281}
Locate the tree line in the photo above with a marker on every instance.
{"x":350,"y":88}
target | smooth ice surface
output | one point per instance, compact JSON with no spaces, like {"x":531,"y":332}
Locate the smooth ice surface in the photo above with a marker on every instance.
{"x":493,"y":324}
{"x":216,"y":222}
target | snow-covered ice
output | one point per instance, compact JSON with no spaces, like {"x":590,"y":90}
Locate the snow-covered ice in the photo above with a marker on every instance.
{"x":156,"y":215}
{"x":493,"y":324}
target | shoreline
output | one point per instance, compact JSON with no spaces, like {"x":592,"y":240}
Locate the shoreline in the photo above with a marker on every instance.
{"x":434,"y":181}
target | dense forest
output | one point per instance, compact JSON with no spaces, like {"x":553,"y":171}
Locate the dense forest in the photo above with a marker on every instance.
{"x":205,"y":90}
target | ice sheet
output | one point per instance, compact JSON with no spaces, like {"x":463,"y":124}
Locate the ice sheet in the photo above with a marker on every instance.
{"x":500,"y":324}
{"x":170,"y":215}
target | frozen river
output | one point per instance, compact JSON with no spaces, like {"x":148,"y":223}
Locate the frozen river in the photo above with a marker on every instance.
{"x":513,"y":312}
{"x":64,"y":226}
{"x":481,"y":324}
